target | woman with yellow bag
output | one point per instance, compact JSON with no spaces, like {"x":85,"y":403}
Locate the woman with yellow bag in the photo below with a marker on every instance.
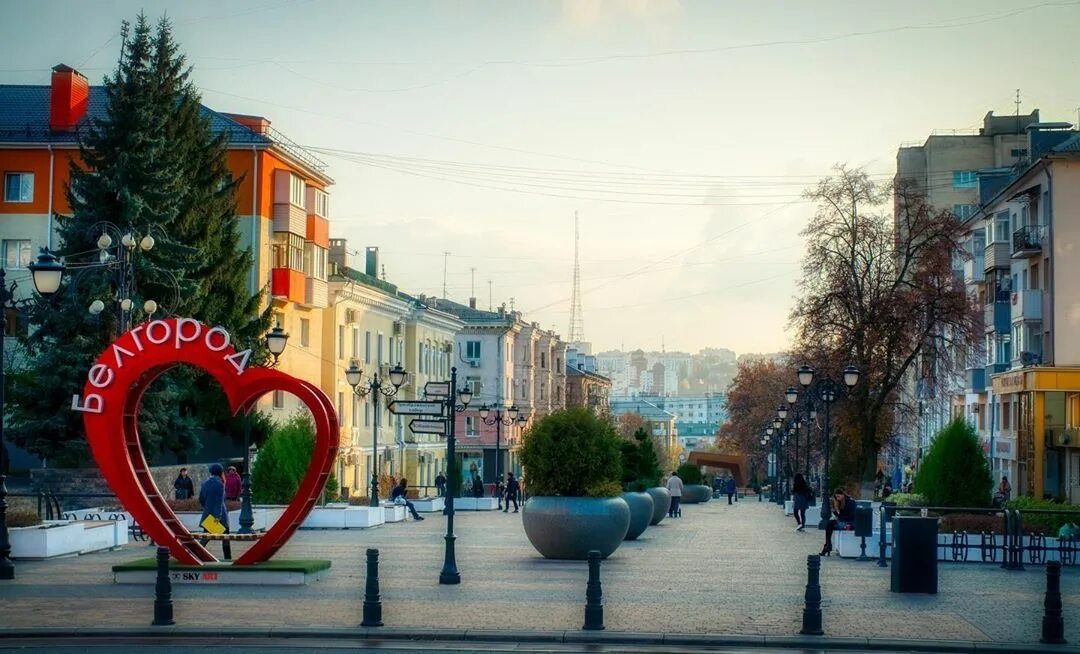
{"x":215,"y":516}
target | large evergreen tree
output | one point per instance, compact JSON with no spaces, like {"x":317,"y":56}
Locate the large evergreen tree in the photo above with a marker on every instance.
{"x":151,"y":166}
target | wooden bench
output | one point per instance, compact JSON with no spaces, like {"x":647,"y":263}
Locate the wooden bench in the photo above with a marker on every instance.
{"x":230,"y":537}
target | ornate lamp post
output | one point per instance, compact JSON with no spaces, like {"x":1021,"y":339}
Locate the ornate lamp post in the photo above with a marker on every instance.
{"x":778,"y":443}
{"x":828,"y":391}
{"x":498,"y":420}
{"x":47,"y":273}
{"x":374,"y":388}
{"x":449,"y":573}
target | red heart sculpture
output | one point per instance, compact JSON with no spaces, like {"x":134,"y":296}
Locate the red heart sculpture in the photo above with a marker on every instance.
{"x":110,"y":406}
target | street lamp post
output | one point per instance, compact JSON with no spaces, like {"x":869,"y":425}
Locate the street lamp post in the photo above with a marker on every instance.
{"x":777,"y":444}
{"x":498,"y":420}
{"x":829,"y":392}
{"x":449,"y":573}
{"x":374,"y":388}
{"x":276,"y":340}
{"x":47,"y":273}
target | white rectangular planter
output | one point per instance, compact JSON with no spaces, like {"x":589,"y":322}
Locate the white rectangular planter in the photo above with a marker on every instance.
{"x":344,"y":517}
{"x":393,"y":513}
{"x":475,"y":503}
{"x":362,"y":517}
{"x":98,"y":536}
{"x":65,"y":538}
{"x":322,"y":517}
{"x":430,"y":505}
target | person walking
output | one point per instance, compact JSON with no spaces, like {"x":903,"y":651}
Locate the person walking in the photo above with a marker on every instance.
{"x":675,"y":488}
{"x":1004,"y":489}
{"x":800,"y":492}
{"x":440,"y":484}
{"x":843,"y":514}
{"x":212,"y":500}
{"x":233,"y":484}
{"x":512,"y":488}
{"x":183,"y":486}
{"x":398,"y":496}
{"x":729,"y":488}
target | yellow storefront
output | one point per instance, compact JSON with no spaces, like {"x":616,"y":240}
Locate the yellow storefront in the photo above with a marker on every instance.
{"x":1047,"y":404}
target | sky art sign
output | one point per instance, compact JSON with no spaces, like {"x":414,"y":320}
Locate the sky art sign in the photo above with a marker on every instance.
{"x":110,"y":401}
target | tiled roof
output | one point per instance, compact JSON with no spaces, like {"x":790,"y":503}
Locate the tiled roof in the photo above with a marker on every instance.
{"x":1071,"y":145}
{"x":469,"y":314}
{"x":24,"y":117}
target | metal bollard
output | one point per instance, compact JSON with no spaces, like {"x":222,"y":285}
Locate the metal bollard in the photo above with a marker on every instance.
{"x":163,"y":613}
{"x":594,"y":595}
{"x":1053,"y":623}
{"x":811,"y":615}
{"x":881,"y":539}
{"x":372,"y":602}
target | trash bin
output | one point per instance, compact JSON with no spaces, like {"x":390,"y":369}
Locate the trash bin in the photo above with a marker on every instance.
{"x":914,"y":555}
{"x":864,"y":520}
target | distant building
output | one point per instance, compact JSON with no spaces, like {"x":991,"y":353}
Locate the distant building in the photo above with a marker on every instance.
{"x":697,"y":418}
{"x":585,"y":387}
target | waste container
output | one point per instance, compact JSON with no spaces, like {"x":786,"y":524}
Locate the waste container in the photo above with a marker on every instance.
{"x":864,"y":520}
{"x":914,"y":555}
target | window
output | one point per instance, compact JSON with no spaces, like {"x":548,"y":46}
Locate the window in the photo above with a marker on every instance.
{"x":367,"y":415}
{"x":341,"y":341}
{"x":472,"y":350}
{"x":472,"y":426}
{"x":367,"y":347}
{"x":1006,"y":414}
{"x":1033,"y":272}
{"x":16,"y":253}
{"x":288,"y":251}
{"x":322,"y":204}
{"x":314,"y":261}
{"x":379,"y":349}
{"x":341,"y":405}
{"x":1019,"y":153}
{"x":355,"y":343}
{"x":18,"y":187}
{"x":543,"y":359}
{"x":305,"y":332}
{"x":279,"y":399}
{"x":475,"y":385}
{"x":965,"y":211}
{"x":964,"y":179}
{"x":296,"y":190}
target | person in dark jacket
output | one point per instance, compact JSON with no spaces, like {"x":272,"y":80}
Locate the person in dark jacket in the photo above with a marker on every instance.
{"x":512,"y":488}
{"x":843,"y":514}
{"x":212,"y":500}
{"x":399,"y":492}
{"x":729,"y":488}
{"x":183,"y":486}
{"x":233,"y":484}
{"x":440,"y":484}
{"x":800,"y":495}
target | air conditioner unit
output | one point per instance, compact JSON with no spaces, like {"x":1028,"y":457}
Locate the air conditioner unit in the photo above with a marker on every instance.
{"x":399,"y":328}
{"x":474,"y":363}
{"x":448,"y":347}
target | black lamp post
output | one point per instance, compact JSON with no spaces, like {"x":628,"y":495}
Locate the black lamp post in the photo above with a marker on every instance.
{"x":374,"y":388}
{"x":498,"y":420}
{"x":276,"y":341}
{"x":449,"y":573}
{"x":828,"y":391}
{"x":116,"y":256}
{"x":47,"y":273}
{"x":778,"y":442}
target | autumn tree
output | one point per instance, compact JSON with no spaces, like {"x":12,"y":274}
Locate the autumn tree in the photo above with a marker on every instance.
{"x":876,"y":291}
{"x":752,"y":399}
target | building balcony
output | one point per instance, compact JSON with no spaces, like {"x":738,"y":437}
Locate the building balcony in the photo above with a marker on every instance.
{"x":996,"y":316}
{"x":288,"y":284}
{"x":1027,"y":305}
{"x":994,"y":369}
{"x":975,"y":269}
{"x":1027,"y":241}
{"x":975,"y":380}
{"x":316,"y":293}
{"x":996,"y":255}
{"x":290,"y":218}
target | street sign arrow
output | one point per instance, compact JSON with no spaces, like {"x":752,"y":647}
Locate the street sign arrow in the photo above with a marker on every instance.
{"x":427,"y":426}
{"x":437,"y":389}
{"x":416,"y":408}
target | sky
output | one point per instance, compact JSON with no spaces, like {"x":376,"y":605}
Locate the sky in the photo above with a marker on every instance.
{"x":682,"y":133}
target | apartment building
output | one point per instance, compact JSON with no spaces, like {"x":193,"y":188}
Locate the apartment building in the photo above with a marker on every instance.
{"x":585,"y":387}
{"x":1023,"y":381}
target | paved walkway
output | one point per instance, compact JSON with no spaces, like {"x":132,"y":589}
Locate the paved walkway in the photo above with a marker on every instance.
{"x":720,"y":569}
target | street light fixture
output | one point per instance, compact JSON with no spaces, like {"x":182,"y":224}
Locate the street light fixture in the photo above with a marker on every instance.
{"x":499,"y":420}
{"x":375,"y":388}
{"x":276,"y":341}
{"x":791,"y":395}
{"x":47,"y":273}
{"x":781,"y":412}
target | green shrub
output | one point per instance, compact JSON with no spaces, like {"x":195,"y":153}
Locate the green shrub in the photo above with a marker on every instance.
{"x":689,"y":473}
{"x":572,"y":453}
{"x":640,"y":466}
{"x":954,"y":472}
{"x":283,"y":461}
{"x":23,"y":519}
{"x":906,"y":499}
{"x":1045,"y":523}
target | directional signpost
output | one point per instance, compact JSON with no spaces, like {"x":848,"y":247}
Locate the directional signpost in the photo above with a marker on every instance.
{"x":400,"y":408}
{"x":428,"y":426}
{"x":437,"y":389}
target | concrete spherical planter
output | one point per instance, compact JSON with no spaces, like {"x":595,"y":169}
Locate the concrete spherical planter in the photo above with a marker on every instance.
{"x":641,"y":513}
{"x":661,"y":503}
{"x":696,"y":494}
{"x":568,"y":527}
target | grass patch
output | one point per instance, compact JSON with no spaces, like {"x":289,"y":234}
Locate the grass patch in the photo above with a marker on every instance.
{"x":307,"y":566}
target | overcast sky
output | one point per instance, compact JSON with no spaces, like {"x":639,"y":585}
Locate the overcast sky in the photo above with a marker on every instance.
{"x":682,"y":132}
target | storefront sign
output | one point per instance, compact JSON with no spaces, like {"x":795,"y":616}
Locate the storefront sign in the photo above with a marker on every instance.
{"x":1012,"y":382}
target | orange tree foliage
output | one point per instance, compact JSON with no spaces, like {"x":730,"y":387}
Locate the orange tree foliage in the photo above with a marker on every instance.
{"x":752,"y":399}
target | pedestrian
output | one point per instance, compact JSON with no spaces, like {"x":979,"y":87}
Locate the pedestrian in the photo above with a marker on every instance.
{"x":729,"y":488}
{"x":1004,"y":489}
{"x":800,"y":491}
{"x":512,"y":488}
{"x":843,"y":514}
{"x":477,"y":485}
{"x":233,"y":484}
{"x":675,"y":487}
{"x":212,"y":500}
{"x":183,"y":486}
{"x":398,"y":496}
{"x":440,"y":484}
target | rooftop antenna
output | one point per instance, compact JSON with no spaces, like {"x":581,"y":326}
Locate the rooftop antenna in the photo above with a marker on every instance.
{"x":576,"y":332}
{"x":384,"y":272}
{"x":445,"y":258}
{"x":472,"y":282}
{"x":490,"y":302}
{"x":511,"y":304}
{"x":1017,"y":111}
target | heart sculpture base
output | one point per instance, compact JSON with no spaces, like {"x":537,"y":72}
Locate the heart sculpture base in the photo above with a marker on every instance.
{"x":269,"y":573}
{"x":110,"y":405}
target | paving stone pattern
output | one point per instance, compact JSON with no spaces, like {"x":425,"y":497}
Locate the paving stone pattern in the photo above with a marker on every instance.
{"x":719,"y":569}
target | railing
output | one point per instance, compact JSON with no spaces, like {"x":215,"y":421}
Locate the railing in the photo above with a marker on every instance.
{"x":1028,"y":239}
{"x":50,"y":506}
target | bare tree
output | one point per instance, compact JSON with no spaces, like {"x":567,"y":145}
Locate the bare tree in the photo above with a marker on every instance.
{"x":876,"y":293}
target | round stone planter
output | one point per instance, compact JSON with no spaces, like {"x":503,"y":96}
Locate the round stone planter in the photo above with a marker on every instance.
{"x":696,"y":494}
{"x":661,"y":503}
{"x":641,"y":513}
{"x":568,"y":527}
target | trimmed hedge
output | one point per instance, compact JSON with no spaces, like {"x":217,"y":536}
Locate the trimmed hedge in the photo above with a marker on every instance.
{"x":1050,"y":523}
{"x":689,"y":473}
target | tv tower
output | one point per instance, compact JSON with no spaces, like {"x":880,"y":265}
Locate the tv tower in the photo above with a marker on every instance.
{"x":576,"y":333}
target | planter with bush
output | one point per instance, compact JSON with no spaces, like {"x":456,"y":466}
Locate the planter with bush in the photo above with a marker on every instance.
{"x":694,"y":492}
{"x":640,"y":472}
{"x":954,"y":471}
{"x":572,"y":461}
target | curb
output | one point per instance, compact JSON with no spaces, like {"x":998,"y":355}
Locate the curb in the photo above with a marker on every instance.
{"x":174,"y":633}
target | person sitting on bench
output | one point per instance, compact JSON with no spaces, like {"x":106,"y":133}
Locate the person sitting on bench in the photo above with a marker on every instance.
{"x":397,"y":496}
